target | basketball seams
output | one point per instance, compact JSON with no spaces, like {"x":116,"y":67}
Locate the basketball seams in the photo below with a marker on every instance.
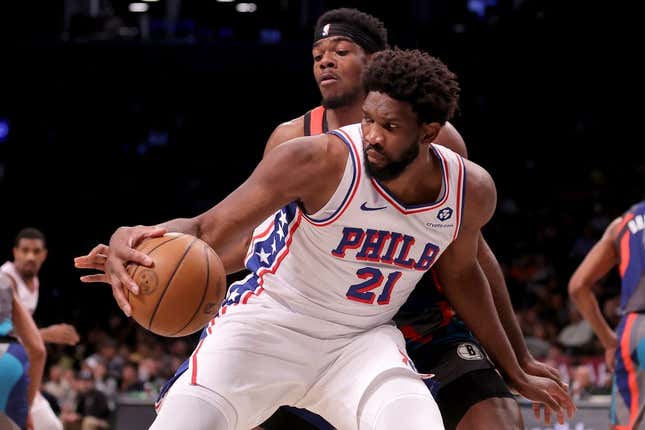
{"x":127,"y":290}
{"x":205,"y":290}
{"x":150,"y":252}
{"x":170,"y":279}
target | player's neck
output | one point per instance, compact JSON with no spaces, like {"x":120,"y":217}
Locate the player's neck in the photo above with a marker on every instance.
{"x":29,"y":280}
{"x":345,"y":115}
{"x":415,"y":186}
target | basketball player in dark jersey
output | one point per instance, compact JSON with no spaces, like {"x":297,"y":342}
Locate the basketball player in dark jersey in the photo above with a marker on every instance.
{"x":622,"y":246}
{"x":469,"y":391}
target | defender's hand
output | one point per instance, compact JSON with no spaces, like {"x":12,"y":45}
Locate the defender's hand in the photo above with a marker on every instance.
{"x":95,"y":259}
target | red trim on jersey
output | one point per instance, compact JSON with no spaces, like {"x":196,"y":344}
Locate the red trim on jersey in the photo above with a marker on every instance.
{"x":446,"y":178}
{"x":193,"y":379}
{"x":316,"y":123}
{"x":631,"y":369}
{"x":357,"y":173}
{"x":624,"y":254}
{"x":624,"y":245}
{"x":266,"y":232}
{"x":461,"y":185}
{"x":272,"y":269}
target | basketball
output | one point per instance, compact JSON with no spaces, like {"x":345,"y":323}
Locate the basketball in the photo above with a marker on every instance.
{"x":183,"y":289}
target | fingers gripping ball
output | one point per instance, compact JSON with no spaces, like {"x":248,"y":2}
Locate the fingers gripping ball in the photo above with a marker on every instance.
{"x":183,"y":289}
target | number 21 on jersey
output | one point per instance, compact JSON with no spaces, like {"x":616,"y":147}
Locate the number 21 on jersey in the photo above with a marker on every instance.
{"x":373,"y":278}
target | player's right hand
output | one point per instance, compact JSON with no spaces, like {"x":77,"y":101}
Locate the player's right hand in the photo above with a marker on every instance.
{"x":549,"y":393}
{"x":122,"y":251}
{"x":63,"y":334}
{"x":95,"y":259}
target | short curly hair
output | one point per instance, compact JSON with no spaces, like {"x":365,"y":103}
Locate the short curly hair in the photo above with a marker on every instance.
{"x":369,"y":24}
{"x":415,"y":77}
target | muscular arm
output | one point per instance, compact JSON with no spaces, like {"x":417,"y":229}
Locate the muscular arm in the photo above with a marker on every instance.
{"x":502,"y":300}
{"x":598,"y":262}
{"x":315,"y":165}
{"x":464,"y":281}
{"x":233,"y":253}
{"x":451,"y":138}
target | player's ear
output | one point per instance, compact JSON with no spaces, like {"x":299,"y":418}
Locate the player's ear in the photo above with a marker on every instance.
{"x":430,"y":132}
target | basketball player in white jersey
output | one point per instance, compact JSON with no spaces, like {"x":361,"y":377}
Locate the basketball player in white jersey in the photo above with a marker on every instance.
{"x":340,"y":51}
{"x":29,"y":253}
{"x":363,"y":213}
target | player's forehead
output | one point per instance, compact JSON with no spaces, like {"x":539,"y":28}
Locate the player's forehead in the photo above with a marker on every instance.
{"x":330,"y":42}
{"x":30,"y":243}
{"x":381,"y":105}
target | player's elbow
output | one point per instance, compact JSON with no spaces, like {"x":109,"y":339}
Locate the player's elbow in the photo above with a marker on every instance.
{"x":36,"y":350}
{"x":577,"y":287}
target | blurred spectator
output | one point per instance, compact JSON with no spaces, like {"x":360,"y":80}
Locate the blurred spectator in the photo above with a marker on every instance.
{"x":107,"y":355}
{"x":582,"y":382}
{"x":577,"y":336}
{"x":130,"y":378}
{"x":92,"y":412}
{"x":105,"y":384}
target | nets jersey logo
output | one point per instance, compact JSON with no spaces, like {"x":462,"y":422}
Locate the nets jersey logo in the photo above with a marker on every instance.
{"x":444,"y":214}
{"x":325,"y":30}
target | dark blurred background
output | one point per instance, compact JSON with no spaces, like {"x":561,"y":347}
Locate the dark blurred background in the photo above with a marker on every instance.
{"x":120,"y":113}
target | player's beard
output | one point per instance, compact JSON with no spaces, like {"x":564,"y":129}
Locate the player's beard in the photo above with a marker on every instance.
{"x":341,"y":100}
{"x":393,"y":168}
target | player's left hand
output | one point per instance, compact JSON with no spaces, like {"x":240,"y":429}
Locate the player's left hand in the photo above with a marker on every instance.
{"x":536,"y":368}
{"x":545,"y":391}
{"x":63,"y":334}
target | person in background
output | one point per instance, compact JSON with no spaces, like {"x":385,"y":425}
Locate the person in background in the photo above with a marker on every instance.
{"x":622,"y":246}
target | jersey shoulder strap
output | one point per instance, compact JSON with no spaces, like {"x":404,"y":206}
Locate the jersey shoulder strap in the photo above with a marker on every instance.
{"x":316,"y":121}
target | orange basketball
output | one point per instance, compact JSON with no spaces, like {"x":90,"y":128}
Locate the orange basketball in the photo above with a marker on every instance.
{"x":182,"y":291}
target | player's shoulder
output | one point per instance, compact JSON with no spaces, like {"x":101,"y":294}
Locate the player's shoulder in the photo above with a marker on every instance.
{"x":284,"y":132}
{"x":450,"y":138}
{"x":5,"y":281}
{"x":291,"y":129}
{"x":480,"y":191}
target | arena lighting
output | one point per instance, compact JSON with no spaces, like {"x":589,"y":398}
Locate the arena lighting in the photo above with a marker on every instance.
{"x":138,"y":7}
{"x":4,"y":129}
{"x":225,"y":1}
{"x":246,"y":7}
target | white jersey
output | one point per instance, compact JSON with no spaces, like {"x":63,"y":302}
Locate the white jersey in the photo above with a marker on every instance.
{"x":355,"y":261}
{"x":28,"y":298}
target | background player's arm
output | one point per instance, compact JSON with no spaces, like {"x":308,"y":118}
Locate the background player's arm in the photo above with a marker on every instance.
{"x":315,"y":168}
{"x":467,"y":290}
{"x":26,"y":330}
{"x":63,"y":334}
{"x":598,"y":262}
{"x":283,"y":133}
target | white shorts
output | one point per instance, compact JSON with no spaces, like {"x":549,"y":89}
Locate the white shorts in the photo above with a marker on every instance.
{"x":259,"y":356}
